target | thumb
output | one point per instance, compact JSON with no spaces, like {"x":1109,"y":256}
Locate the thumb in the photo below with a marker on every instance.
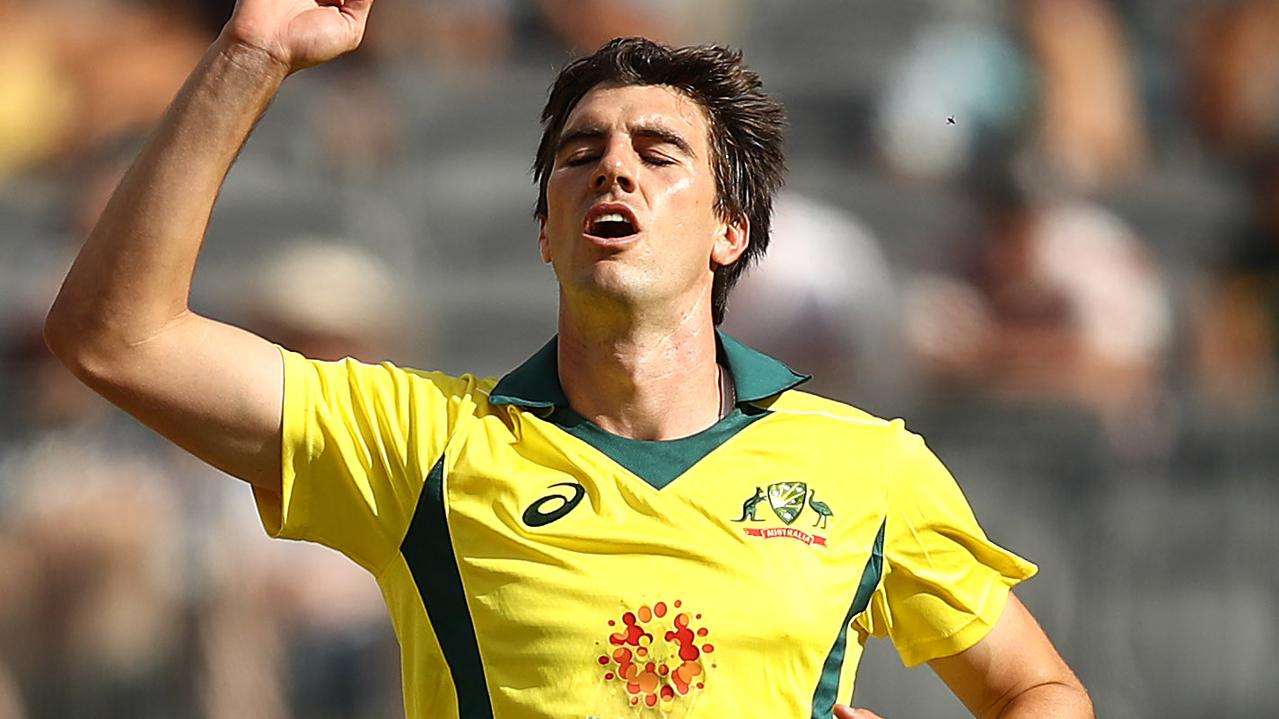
{"x":358,"y":8}
{"x":845,"y":712}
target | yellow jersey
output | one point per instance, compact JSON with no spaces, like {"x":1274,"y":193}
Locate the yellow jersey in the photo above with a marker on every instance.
{"x":537,"y":567}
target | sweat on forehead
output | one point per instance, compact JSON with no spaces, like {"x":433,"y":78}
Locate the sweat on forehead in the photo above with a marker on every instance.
{"x":677,"y":124}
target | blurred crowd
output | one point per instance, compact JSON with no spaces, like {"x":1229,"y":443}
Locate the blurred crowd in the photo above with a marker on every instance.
{"x":1044,"y":231}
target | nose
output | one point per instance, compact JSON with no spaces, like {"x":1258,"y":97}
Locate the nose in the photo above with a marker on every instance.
{"x":615,"y":169}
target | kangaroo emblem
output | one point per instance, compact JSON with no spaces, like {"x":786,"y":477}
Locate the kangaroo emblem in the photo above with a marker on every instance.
{"x":749,"y":506}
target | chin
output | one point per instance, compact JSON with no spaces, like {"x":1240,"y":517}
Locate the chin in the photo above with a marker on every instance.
{"x":609,"y":283}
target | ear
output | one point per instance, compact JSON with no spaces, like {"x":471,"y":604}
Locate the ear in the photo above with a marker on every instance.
{"x":732,"y":240}
{"x":543,"y":244}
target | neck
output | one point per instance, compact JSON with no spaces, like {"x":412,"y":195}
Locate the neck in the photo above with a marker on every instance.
{"x":654,"y":379}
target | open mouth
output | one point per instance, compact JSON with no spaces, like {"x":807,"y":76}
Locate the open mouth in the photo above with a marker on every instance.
{"x":612,"y":226}
{"x":611,"y":221}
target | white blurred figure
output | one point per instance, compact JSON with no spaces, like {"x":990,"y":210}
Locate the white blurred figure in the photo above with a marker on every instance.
{"x":1066,"y":304}
{"x":328,"y":300}
{"x":823,"y":300}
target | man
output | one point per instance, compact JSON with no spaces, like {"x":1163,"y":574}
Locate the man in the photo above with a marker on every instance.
{"x":562,"y":542}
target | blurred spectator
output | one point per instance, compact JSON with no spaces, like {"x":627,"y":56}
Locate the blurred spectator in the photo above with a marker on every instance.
{"x":37,"y":99}
{"x":10,"y":708}
{"x":1091,"y":128}
{"x":119,"y":626}
{"x":1233,"y":62}
{"x":81,"y":72}
{"x":1237,"y":322}
{"x":97,"y":617}
{"x":967,"y":95}
{"x":95,"y":626}
{"x":972,"y":73}
{"x":1064,"y":303}
{"x":584,"y":25}
{"x":450,"y":35}
{"x":353,"y":99}
{"x":824,"y":300}
{"x":329,"y":300}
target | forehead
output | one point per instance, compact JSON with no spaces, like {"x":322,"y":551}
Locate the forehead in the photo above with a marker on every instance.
{"x":623,"y":106}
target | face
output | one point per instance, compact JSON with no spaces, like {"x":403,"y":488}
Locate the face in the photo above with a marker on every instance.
{"x":631,"y":213}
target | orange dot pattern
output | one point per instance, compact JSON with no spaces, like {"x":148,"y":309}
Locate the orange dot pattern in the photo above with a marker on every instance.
{"x":656,"y":672}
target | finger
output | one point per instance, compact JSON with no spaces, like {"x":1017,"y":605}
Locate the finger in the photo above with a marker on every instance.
{"x":845,"y":712}
{"x":358,"y":8}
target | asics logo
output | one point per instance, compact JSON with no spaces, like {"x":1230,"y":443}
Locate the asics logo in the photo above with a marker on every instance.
{"x":554,"y":505}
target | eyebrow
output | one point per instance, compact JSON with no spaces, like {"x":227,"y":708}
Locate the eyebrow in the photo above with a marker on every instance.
{"x":650,"y":131}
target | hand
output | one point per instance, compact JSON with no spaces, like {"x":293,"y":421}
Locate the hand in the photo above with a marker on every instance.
{"x":844,"y":712}
{"x":299,"y":33}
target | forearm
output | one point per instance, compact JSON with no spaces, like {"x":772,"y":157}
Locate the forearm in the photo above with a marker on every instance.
{"x":132,"y":277}
{"x":1060,"y":701}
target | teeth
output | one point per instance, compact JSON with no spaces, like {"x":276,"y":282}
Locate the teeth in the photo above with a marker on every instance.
{"x":611,"y":217}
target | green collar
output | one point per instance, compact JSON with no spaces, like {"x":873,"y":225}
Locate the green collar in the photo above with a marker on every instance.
{"x":536,"y":383}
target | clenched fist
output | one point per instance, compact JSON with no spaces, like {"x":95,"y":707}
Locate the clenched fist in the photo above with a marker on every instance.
{"x":299,"y":33}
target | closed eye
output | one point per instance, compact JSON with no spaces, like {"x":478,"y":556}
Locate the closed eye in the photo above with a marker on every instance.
{"x":658,"y":160}
{"x":579,"y":160}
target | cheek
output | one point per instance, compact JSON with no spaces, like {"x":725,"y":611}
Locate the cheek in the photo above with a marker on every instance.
{"x":556,"y":207}
{"x":679,"y":191}
{"x":683,"y":203}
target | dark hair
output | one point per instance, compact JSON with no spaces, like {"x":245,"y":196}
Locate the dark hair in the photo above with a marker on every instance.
{"x":746,"y":129}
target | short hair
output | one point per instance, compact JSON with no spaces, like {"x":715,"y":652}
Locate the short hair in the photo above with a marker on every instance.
{"x":746,"y":130}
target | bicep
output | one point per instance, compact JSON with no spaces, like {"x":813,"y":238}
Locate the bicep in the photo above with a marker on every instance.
{"x":1013,"y":657}
{"x":213,"y":389}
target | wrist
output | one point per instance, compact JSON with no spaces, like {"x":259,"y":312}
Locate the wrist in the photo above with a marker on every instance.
{"x":252,"y":59}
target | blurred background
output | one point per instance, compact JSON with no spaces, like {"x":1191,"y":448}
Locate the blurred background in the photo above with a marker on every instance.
{"x":1046,"y":232}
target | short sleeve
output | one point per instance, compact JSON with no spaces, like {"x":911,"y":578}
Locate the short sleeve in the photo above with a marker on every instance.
{"x":357,"y":443}
{"x":944,"y":584}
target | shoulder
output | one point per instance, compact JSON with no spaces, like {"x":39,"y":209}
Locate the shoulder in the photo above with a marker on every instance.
{"x":820,"y":409}
{"x":388,"y":380}
{"x":827,"y":419}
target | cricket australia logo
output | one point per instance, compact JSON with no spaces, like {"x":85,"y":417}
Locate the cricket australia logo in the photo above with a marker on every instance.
{"x":787,"y":500}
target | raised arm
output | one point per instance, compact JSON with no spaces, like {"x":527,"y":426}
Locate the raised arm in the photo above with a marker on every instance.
{"x":122,"y":322}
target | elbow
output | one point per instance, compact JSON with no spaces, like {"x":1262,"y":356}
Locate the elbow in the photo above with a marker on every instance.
{"x":63,"y":339}
{"x":1064,"y":698}
{"x":106,"y":349}
{"x":1084,"y":704}
{"x":72,"y":339}
{"x":58,"y":336}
